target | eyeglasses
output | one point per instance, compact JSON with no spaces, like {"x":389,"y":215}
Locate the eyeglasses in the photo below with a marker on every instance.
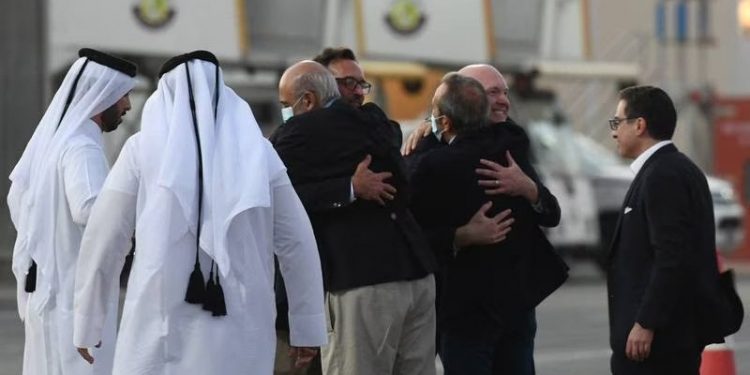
{"x":351,"y":83}
{"x":614,"y":122}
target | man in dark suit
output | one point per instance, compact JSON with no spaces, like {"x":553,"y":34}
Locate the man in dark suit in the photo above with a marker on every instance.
{"x":662,"y":255}
{"x":516,"y":345}
{"x":487,"y":287}
{"x":304,"y":87}
{"x":377,"y":266}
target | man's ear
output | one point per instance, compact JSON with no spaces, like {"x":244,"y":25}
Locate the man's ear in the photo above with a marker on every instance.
{"x":309,"y":101}
{"x":447,"y":124}
{"x":641,"y":126}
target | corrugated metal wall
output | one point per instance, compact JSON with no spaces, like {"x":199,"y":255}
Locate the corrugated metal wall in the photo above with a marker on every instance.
{"x":22,"y":98}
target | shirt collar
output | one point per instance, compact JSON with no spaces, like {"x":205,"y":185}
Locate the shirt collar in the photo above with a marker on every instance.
{"x":637,"y":164}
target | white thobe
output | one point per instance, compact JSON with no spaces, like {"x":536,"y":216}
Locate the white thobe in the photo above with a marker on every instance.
{"x":160,"y":333}
{"x":48,"y":348}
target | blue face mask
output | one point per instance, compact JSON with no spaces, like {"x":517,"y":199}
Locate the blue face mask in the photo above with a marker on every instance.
{"x":438,"y":133}
{"x":288,"y":112}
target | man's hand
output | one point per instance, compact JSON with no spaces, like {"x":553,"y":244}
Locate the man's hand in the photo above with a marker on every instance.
{"x":84,"y":352}
{"x":302,"y":356}
{"x":483,"y":230}
{"x":507,"y":180}
{"x":638,"y":347}
{"x":420,"y":132}
{"x":369,"y":185}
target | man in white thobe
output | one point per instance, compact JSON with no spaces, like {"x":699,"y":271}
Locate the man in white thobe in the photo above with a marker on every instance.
{"x":53,"y":187}
{"x":206,"y":195}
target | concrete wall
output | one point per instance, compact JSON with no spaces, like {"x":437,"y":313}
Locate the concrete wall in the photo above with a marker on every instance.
{"x":615,"y":24}
{"x":22,"y":99}
{"x":732,"y":52}
{"x":624,"y":31}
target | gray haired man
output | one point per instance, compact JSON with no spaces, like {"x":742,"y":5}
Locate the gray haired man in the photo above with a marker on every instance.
{"x":303,"y":87}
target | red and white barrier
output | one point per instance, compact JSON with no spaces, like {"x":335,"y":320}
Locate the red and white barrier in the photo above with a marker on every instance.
{"x":718,"y":359}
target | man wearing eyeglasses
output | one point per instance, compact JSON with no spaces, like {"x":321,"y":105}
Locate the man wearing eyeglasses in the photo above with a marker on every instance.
{"x":348,"y":73}
{"x":350,"y":78}
{"x":661,"y":262}
{"x":514,"y":348}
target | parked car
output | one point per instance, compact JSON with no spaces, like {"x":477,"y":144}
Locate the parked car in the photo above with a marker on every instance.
{"x":560,"y":167}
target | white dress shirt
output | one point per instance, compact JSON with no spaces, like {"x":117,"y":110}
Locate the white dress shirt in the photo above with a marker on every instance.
{"x":637,"y":164}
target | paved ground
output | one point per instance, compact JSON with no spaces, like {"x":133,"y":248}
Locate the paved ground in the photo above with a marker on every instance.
{"x":11,"y":332}
{"x":572,"y":338}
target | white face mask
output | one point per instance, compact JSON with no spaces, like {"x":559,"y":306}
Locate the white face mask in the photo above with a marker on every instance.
{"x":437,"y":132}
{"x":288,"y":112}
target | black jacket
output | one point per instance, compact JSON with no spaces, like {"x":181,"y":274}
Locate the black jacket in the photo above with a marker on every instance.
{"x":482,"y":287}
{"x":330,"y":193}
{"x":663,"y":271}
{"x":361,"y":243}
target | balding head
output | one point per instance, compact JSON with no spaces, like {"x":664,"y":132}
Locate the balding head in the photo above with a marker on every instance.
{"x":305,"y":86}
{"x":461,"y":102}
{"x":494,"y":85}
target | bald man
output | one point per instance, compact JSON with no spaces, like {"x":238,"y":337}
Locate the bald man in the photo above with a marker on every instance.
{"x":303,"y":87}
{"x":511,"y":350}
{"x":497,"y":92}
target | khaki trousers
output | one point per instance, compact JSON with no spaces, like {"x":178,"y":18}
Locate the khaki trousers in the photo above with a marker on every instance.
{"x":383,"y":329}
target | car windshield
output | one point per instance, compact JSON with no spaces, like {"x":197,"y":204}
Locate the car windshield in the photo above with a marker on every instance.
{"x":594,"y":156}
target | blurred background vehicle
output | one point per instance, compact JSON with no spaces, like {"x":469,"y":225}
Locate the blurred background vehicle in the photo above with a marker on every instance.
{"x":560,"y":165}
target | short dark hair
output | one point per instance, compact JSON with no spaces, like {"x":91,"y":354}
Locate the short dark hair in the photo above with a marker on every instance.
{"x":464,"y":102}
{"x":654,"y":105}
{"x":330,"y":54}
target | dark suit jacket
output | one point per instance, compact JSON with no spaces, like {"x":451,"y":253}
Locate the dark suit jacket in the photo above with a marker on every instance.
{"x":335,"y":192}
{"x":360,"y":243}
{"x":483,"y":287}
{"x":505,"y":136}
{"x":662,"y":260}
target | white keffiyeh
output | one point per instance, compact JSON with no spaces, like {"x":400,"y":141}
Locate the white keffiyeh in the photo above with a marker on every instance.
{"x":32,"y":194}
{"x":230,"y":143}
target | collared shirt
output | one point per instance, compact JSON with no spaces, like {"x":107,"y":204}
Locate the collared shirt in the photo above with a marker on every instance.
{"x":637,"y":164}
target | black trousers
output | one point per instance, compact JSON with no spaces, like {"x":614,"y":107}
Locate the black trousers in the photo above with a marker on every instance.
{"x":686,"y":362}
